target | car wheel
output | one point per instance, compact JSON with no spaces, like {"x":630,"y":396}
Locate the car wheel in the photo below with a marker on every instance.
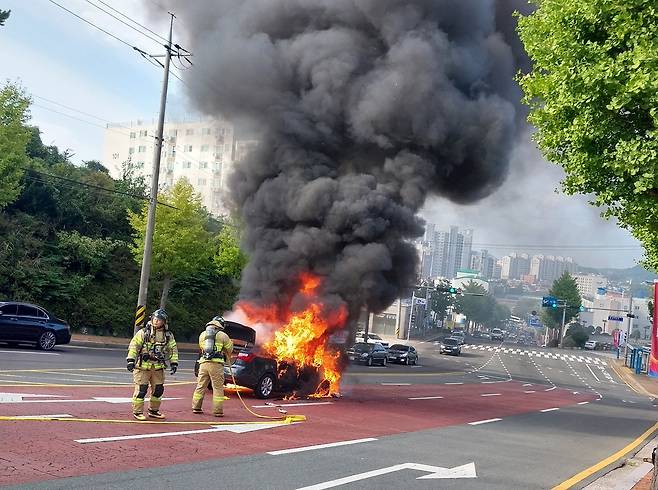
{"x":415,"y":361}
{"x":369,"y":361}
{"x":47,"y":340}
{"x":406,"y":361}
{"x":265,"y":386}
{"x":384,"y":361}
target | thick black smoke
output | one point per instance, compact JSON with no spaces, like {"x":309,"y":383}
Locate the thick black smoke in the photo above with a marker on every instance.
{"x":364,"y":109}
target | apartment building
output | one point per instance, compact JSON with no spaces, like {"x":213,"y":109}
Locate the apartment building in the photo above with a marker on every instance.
{"x":203,"y":151}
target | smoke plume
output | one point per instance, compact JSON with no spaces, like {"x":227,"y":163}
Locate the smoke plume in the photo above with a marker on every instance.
{"x":364,"y":108}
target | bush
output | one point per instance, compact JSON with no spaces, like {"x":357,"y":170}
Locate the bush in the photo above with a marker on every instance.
{"x":552,"y":343}
{"x":569,"y":342}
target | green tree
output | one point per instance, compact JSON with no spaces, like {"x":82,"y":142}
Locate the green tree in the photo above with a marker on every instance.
{"x":4,"y":15}
{"x":565,"y":290}
{"x":440,"y":300}
{"x":14,"y":136}
{"x":181,"y":244}
{"x":229,"y":259}
{"x":475,"y":303}
{"x":593,"y":96}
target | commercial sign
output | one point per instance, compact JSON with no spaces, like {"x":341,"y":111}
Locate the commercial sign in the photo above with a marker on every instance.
{"x":653,"y":357}
{"x":613,"y":318}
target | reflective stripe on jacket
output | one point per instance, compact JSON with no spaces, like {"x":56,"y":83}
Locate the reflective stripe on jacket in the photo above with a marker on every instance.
{"x":223,"y":347}
{"x":142,"y":343}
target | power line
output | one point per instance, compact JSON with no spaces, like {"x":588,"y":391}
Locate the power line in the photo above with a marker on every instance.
{"x":124,"y":22}
{"x":92,"y":186}
{"x":93,"y":25}
{"x":132,"y":20}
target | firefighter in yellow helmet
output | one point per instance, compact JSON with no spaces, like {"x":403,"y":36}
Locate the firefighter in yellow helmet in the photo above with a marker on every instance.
{"x":215,"y":349}
{"x":148,"y":353}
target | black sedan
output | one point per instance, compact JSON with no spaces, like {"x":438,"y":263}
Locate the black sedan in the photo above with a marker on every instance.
{"x":404,"y":354}
{"x":27,"y":323}
{"x":367,"y":353}
{"x":451,"y":346}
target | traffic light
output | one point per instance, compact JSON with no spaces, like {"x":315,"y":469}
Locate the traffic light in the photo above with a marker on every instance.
{"x":582,"y":308}
{"x":450,"y":290}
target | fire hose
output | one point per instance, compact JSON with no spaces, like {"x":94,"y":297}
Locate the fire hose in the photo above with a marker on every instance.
{"x":284,"y":416}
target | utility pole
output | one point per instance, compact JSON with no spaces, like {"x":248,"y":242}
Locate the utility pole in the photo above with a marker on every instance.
{"x":140,"y":313}
{"x":411,"y":313}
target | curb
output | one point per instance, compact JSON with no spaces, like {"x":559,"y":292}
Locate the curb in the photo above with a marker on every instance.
{"x":113,"y":346}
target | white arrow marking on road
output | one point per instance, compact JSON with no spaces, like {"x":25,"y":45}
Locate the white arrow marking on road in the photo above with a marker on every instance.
{"x":235,"y":428}
{"x":425,"y":398}
{"x":320,"y":446}
{"x":436,"y":472}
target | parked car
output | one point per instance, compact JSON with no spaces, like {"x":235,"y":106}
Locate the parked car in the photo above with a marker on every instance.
{"x":591,"y":345}
{"x":486,"y":335}
{"x":368,"y":353}
{"x":497,"y":334}
{"x":404,"y":354}
{"x":452,"y":346}
{"x":251,"y":369}
{"x":372,"y":337}
{"x":28,"y":323}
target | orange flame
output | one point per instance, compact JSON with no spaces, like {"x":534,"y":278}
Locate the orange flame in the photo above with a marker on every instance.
{"x":303,"y":336}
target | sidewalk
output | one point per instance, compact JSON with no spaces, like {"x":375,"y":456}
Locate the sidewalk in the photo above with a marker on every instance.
{"x":636,"y":472}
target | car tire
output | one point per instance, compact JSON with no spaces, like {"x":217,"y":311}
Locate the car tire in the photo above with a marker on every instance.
{"x":265,"y":386}
{"x":415,"y":361}
{"x":47,"y":340}
{"x":384,"y":362}
{"x":369,"y":362}
{"x":406,"y":361}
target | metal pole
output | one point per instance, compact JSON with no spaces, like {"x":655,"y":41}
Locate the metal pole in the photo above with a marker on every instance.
{"x":398,"y":322}
{"x":411,"y":312}
{"x":140,"y":313}
{"x":630,"y":320}
{"x":562,"y":332}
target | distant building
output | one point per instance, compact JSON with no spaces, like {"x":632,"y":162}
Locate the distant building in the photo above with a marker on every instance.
{"x":204,"y":151}
{"x":588,"y":284}
{"x":548,"y":268}
{"x":445,"y":252}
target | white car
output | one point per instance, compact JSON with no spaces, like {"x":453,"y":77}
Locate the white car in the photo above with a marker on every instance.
{"x":591,"y":345}
{"x":372,"y":338}
{"x":497,"y":334}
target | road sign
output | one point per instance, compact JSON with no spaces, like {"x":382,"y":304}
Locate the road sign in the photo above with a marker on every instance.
{"x":549,"y":302}
{"x":435,"y":472}
{"x":613,"y":318}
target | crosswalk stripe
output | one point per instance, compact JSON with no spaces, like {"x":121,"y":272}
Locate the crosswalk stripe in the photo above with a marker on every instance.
{"x":546,"y":355}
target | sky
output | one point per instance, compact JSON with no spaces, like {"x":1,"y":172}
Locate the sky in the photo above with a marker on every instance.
{"x":61,"y":61}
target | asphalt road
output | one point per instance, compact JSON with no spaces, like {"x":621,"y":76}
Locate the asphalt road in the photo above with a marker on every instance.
{"x":515,"y":417}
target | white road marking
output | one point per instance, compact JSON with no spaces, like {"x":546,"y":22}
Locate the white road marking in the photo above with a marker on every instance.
{"x":320,"y":446}
{"x":86,"y":400}
{"x":237,"y":428}
{"x":583,"y":403}
{"x":276,"y":405}
{"x":590,"y":370}
{"x":551,"y":389}
{"x":490,"y":394}
{"x":453,"y":383}
{"x":55,"y":416}
{"x":530,"y":391}
{"x":18,"y":397}
{"x":425,"y":398}
{"x":484,"y":421}
{"x":549,"y":409}
{"x":528,"y":384}
{"x":396,"y":384}
{"x":435,"y":473}
{"x":33,"y":353}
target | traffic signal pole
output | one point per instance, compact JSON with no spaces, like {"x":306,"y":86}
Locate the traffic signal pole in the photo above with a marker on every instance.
{"x":140,"y":313}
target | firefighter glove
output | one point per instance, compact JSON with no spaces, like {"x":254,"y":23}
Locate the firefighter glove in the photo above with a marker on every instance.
{"x":196,"y":369}
{"x":174,"y":367}
{"x":131,"y":365}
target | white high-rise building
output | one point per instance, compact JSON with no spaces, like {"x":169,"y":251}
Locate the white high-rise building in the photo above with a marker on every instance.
{"x":588,"y":284}
{"x":201,"y":151}
{"x":448,"y":251}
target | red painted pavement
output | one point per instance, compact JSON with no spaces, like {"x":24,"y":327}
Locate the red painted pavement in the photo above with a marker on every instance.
{"x":35,"y":451}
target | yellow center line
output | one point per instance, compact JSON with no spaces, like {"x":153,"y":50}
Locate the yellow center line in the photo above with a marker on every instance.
{"x":609,"y":460}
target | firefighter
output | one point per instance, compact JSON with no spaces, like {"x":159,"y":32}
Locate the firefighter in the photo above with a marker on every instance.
{"x":148,"y":353}
{"x":215,"y":349}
